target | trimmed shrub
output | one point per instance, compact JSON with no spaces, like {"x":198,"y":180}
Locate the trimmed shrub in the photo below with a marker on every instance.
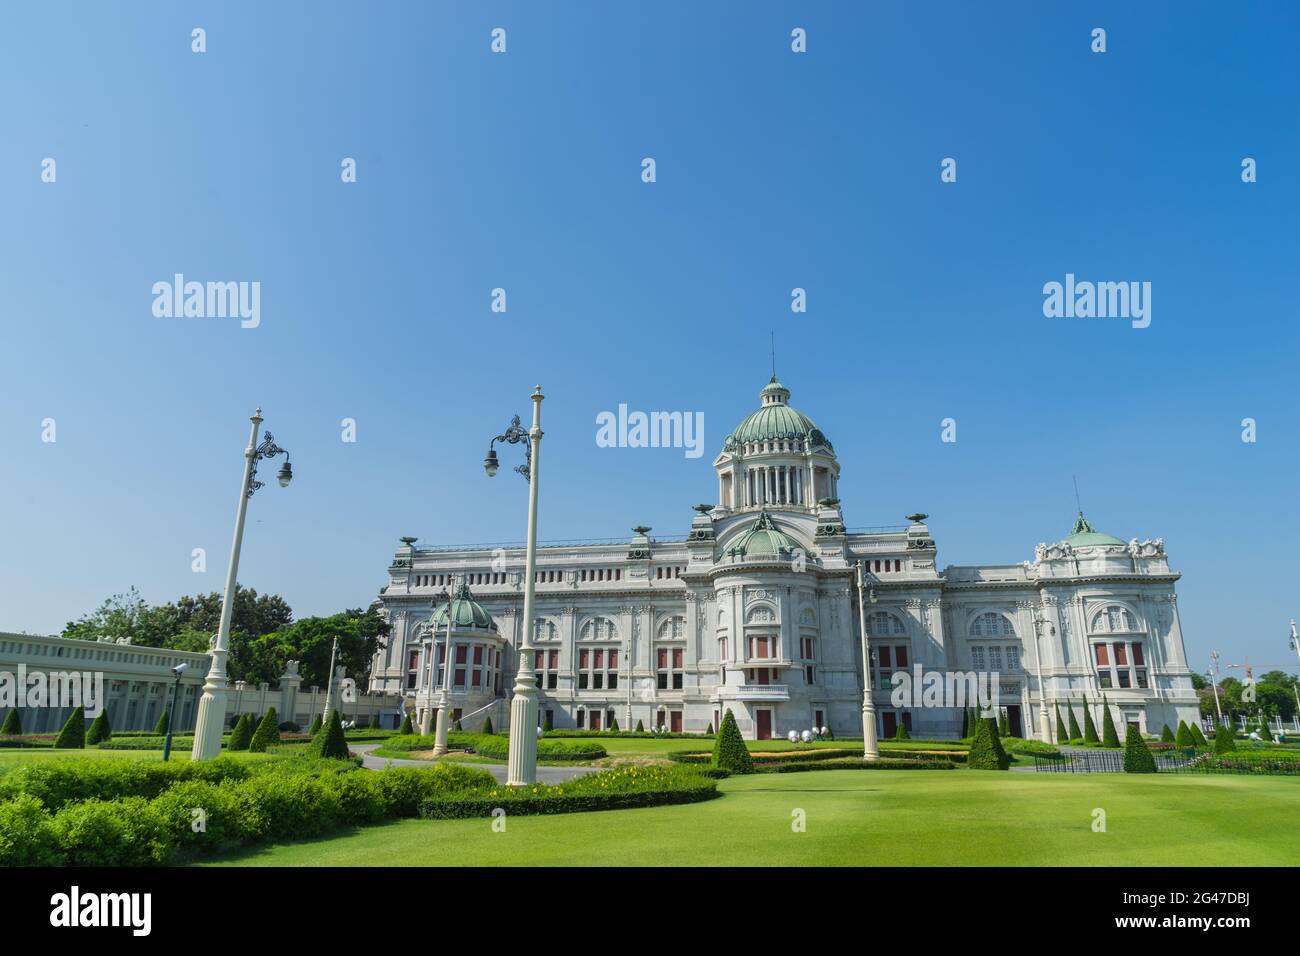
{"x":289,"y":727}
{"x":487,"y":727}
{"x":160,"y":728}
{"x":407,"y":727}
{"x":1061,"y":735}
{"x":498,"y":748}
{"x":457,"y":726}
{"x":830,"y":734}
{"x":28,"y":836}
{"x":901,"y":732}
{"x":613,"y":725}
{"x":1075,"y":732}
{"x":330,"y":742}
{"x":1089,"y":728}
{"x":1225,"y":739}
{"x":100,"y":730}
{"x":121,"y":832}
{"x":58,"y":782}
{"x":1137,"y":755}
{"x":640,"y":727}
{"x":546,"y":724}
{"x":267,"y":733}
{"x":1004,"y":724}
{"x":729,"y":750}
{"x":986,"y":751}
{"x":73,"y":734}
{"x":13,"y":725}
{"x":242,"y":734}
{"x":1167,"y":735}
{"x":1197,"y":735}
{"x":1109,"y":738}
{"x":315,"y":725}
{"x":1182,"y":739}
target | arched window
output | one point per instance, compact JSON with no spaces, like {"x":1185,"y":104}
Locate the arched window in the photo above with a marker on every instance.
{"x":992,"y":624}
{"x":1113,"y":619}
{"x":673,"y":629}
{"x":544,"y":630}
{"x":884,"y":624}
{"x":599,"y":629}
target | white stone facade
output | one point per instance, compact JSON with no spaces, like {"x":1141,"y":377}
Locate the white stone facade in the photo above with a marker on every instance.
{"x":756,"y":611}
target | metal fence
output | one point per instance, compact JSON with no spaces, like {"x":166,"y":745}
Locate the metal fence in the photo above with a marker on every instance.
{"x":1168,"y":761}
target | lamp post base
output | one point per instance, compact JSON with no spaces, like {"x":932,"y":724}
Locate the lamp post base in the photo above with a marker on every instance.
{"x":522,"y":769}
{"x":870,"y":748}
{"x":208,"y":727}
{"x":440,"y":736}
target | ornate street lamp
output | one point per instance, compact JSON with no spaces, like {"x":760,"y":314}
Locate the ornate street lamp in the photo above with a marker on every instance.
{"x":212,"y":705}
{"x":1045,"y":722}
{"x":522,"y":767}
{"x":178,"y":670}
{"x":870,"y":750}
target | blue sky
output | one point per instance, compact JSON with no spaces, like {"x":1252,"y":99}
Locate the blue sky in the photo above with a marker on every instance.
{"x":522,"y":171}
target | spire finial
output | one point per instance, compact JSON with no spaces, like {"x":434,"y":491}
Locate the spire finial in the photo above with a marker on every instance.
{"x":773,"y":335}
{"x":1076,"y":494}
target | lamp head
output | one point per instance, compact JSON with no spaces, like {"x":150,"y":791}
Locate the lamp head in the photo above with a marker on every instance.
{"x":179,"y":669}
{"x":490,"y":463}
{"x":285,"y":475}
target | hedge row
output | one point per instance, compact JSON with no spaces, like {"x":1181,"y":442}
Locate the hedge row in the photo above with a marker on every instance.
{"x":56,"y":783}
{"x":498,"y":748}
{"x":304,"y":801}
{"x":614,"y":790}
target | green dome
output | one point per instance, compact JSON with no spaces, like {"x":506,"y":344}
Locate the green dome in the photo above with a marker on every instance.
{"x":775,"y":420}
{"x":763,"y":541}
{"x":465,"y":612}
{"x":1084,"y":535}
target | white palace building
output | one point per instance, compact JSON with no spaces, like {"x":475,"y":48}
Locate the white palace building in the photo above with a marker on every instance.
{"x":756,"y":611}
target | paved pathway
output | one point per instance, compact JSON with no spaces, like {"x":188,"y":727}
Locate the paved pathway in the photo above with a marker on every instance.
{"x":544,"y":774}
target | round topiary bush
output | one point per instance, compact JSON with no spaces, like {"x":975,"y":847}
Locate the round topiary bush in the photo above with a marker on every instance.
{"x":729,"y":750}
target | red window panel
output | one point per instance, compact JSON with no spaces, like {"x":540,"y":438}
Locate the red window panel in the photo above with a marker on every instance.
{"x":1120,"y":656}
{"x":1103,"y":658}
{"x":460,"y":677}
{"x":462,"y":653}
{"x":677,"y":658}
{"x":884,"y":657}
{"x":478,"y":655}
{"x":583,"y":657}
{"x":538,"y":659}
{"x":554,"y":659}
{"x":900,"y":656}
{"x":413,"y":660}
{"x":1137,"y":655}
{"x":661,"y":656}
{"x":613,"y":660}
{"x":599,"y":658}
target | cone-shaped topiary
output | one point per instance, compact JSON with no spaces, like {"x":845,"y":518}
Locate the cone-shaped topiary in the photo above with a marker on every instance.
{"x":458,"y":727}
{"x":986,"y":751}
{"x":99,"y":729}
{"x":546,"y":724}
{"x":1166,"y":735}
{"x":315,"y":726}
{"x":13,"y":723}
{"x":73,"y":734}
{"x":972,"y":722}
{"x":1062,"y":736}
{"x":267,"y":733}
{"x":1225,"y":739}
{"x":613,"y":724}
{"x":1089,"y":728}
{"x":1183,"y":738}
{"x":1137,"y":755}
{"x":330,"y":742}
{"x":901,"y":732}
{"x":241,"y":734}
{"x":640,"y":727}
{"x":160,"y":728}
{"x":487,"y":727}
{"x":729,"y":750}
{"x":406,"y":727}
{"x":830,"y":734}
{"x":965,"y":723}
{"x":1004,"y":724}
{"x":1109,"y":738}
{"x":1197,"y":735}
{"x":1075,"y":732}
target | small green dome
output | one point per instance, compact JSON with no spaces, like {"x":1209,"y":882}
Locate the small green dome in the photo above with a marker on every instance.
{"x":465,"y":612}
{"x":763,"y":541}
{"x":775,"y":420}
{"x":1084,"y":535}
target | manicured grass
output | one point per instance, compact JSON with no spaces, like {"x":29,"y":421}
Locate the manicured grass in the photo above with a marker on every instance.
{"x":866,"y":818}
{"x":10,"y":758}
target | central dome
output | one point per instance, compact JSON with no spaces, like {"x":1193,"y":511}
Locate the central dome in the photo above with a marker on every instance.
{"x":763,"y":540}
{"x":1084,"y":535}
{"x":465,"y":612}
{"x":775,"y":420}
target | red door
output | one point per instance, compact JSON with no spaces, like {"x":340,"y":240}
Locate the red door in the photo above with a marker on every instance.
{"x":891,"y":725}
{"x":764,"y":724}
{"x":595,"y":719}
{"x":676,"y":718}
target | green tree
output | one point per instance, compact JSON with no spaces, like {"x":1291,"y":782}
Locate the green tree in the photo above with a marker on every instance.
{"x":640,"y":727}
{"x":315,"y":724}
{"x":487,"y":726}
{"x":972,"y":723}
{"x":406,"y":727}
{"x":1062,"y":736}
{"x":613,"y":725}
{"x":901,"y":732}
{"x":1198,"y":738}
{"x":1109,"y":738}
{"x":1184,"y":736}
{"x":1075,"y":732}
{"x":1199,"y":682}
{"x":310,"y":641}
{"x":73,"y":734}
{"x":100,"y":730}
{"x":13,"y":725}
{"x":267,"y":733}
{"x":1089,"y":728}
{"x":330,"y":742}
{"x":241,"y":734}
{"x":1137,"y":755}
{"x":457,"y":727}
{"x":1167,"y":735}
{"x":986,"y":751}
{"x":160,"y":728}
{"x":729,"y":750}
{"x":1225,"y":739}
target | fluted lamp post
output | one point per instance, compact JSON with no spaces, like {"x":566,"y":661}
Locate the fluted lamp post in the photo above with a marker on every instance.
{"x":1045,"y":722}
{"x":522,"y":769}
{"x":444,"y":698}
{"x":212,"y":705}
{"x":870,"y":750}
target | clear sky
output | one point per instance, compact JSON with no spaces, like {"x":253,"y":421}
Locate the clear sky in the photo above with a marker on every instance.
{"x":522,"y":171}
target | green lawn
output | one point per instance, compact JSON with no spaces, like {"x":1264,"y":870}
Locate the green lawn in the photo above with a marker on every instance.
{"x":868,"y":818}
{"x":18,"y":755}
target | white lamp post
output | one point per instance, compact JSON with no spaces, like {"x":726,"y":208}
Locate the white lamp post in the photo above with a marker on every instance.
{"x":444,"y":697}
{"x":212,"y":705}
{"x":870,"y":751}
{"x":522,"y":767}
{"x":1214,"y":683}
{"x":1045,"y":723}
